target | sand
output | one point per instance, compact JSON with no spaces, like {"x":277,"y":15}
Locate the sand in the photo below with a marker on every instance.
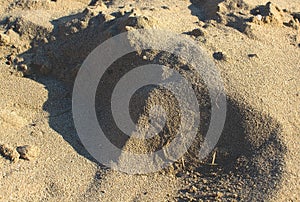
{"x":254,"y":44}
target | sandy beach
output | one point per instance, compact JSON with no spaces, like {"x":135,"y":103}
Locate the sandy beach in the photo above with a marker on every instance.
{"x":255,"y":47}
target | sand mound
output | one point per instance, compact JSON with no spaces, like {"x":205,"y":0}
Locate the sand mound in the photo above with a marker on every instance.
{"x":248,"y":153}
{"x":55,"y":48}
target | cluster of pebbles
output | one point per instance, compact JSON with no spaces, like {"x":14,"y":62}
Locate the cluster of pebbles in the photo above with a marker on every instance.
{"x":26,"y":152}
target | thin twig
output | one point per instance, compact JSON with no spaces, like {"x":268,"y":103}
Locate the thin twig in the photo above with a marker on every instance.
{"x":214,"y":158}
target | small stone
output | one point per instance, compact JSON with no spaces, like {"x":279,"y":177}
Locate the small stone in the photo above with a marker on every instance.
{"x":73,"y":30}
{"x":257,"y":20}
{"x":8,"y":152}
{"x":285,"y":10}
{"x":4,"y":39}
{"x":214,"y":174}
{"x":45,"y":40}
{"x":18,"y":60}
{"x":52,"y":38}
{"x":122,"y":12}
{"x":28,"y":152}
{"x":194,"y":189}
{"x":259,"y":17}
{"x":197,"y":32}
{"x":19,"y":74}
{"x":220,"y":56}
{"x":234,"y":195}
{"x":220,"y":194}
{"x":83,"y":24}
{"x":23,"y":67}
{"x":129,"y":28}
{"x":252,"y":55}
{"x":108,"y":17}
